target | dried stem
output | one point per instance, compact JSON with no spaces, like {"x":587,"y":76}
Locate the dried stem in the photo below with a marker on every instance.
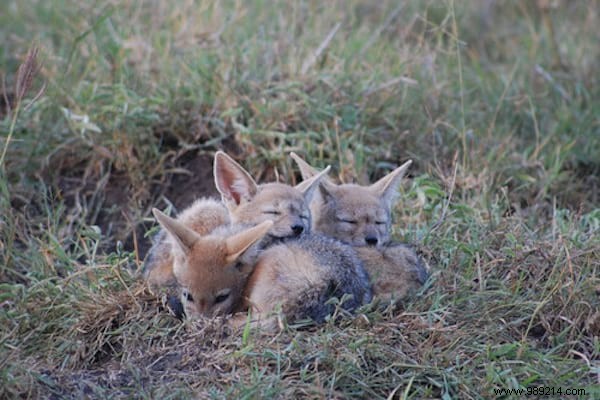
{"x":25,"y":75}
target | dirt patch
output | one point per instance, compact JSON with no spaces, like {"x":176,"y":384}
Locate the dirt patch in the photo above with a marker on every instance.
{"x":110,"y":200}
{"x":193,"y":180}
{"x":182,"y":188}
{"x":118,"y":198}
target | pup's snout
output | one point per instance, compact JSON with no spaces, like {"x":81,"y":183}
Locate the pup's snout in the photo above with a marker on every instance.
{"x":297,"y":229}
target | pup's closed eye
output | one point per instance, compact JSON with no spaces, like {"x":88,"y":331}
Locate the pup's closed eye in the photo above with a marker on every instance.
{"x":271,"y":212}
{"x":221,"y":297}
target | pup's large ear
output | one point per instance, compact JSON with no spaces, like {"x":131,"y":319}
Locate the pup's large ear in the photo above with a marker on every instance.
{"x":308,"y":186}
{"x":184,"y":236}
{"x":387,"y":187}
{"x":233,"y":182}
{"x":328,"y":191}
{"x":306,"y":170}
{"x":240,"y":242}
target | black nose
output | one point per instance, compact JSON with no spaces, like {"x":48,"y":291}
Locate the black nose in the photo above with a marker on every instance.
{"x":297,"y":229}
{"x":174,"y":304}
{"x":371,"y":240}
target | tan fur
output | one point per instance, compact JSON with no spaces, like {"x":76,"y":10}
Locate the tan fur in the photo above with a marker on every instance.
{"x":202,"y":217}
{"x":226,"y":271}
{"x":354,"y":215}
{"x":396,"y":271}
{"x":211,"y":270}
{"x":248,"y":202}
{"x":243,"y":202}
{"x":307,"y":172}
{"x":299,"y":277}
{"x":280,"y":270}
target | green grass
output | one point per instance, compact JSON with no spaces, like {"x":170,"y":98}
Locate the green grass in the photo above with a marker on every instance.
{"x":497,"y":102}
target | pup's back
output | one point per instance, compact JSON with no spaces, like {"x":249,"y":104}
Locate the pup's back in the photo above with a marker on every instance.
{"x":395,"y":270}
{"x":302,"y":275}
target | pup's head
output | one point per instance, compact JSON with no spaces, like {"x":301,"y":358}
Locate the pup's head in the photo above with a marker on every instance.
{"x":211,"y":270}
{"x":355,"y":214}
{"x":285,"y":205}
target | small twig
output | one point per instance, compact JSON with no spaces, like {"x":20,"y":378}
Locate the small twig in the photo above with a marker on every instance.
{"x":544,"y":74}
{"x":463,"y":132}
{"x":391,"y":17}
{"x":502,"y":96}
{"x":27,"y":71}
{"x":315,"y":55}
{"x":136,"y":249}
{"x":390,"y":83}
{"x":439,"y":222}
{"x":11,"y":129}
{"x":37,"y":96}
{"x":547,"y":19}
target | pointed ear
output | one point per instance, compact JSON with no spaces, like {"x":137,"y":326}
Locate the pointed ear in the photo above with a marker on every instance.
{"x":308,"y":186}
{"x":184,"y":236}
{"x":328,"y":191}
{"x":232,"y":181}
{"x":387,"y":187}
{"x":306,"y":170}
{"x":240,"y":242}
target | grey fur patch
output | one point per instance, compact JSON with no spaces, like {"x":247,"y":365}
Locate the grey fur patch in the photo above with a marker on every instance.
{"x":344,"y":277}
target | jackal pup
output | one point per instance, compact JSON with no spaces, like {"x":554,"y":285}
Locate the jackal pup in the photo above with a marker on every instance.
{"x":355,"y":214}
{"x":213,"y":269}
{"x":361,"y":216}
{"x":244,"y":202}
{"x":227,"y":271}
{"x":287,"y":206}
{"x":202,"y":217}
